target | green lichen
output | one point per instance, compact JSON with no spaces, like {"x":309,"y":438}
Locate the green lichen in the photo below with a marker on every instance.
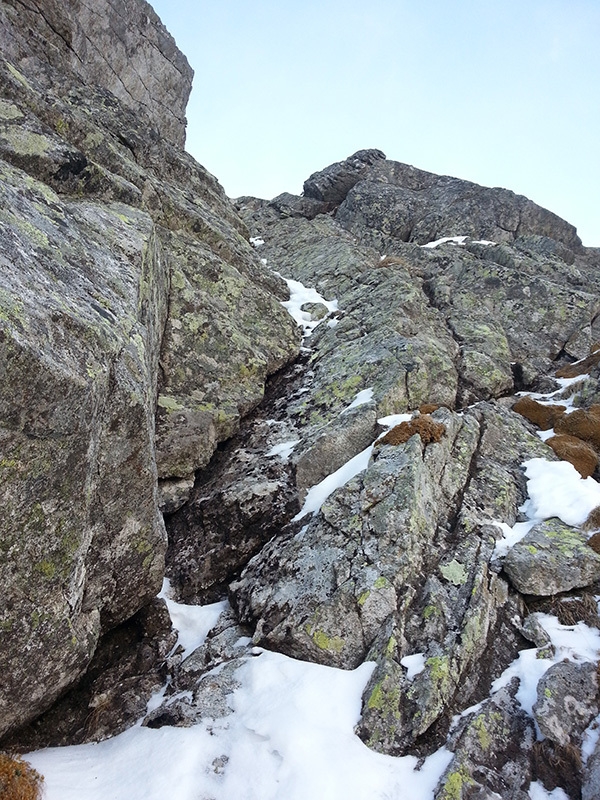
{"x":454,"y":572}
{"x":455,"y":782}
{"x":46,"y":568}
{"x":381,"y":582}
{"x":363,"y":597}
{"x":169,"y":403}
{"x":439,"y":668}
{"x":385,"y":700}
{"x":485,"y":740}
{"x":390,"y":648}
{"x":429,"y":611}
{"x":334,"y":644}
{"x":27,"y":143}
{"x":9,"y":110}
{"x":16,"y":74}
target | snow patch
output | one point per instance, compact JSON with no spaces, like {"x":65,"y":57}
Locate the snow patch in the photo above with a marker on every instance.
{"x":191,"y":622}
{"x":456,"y":240}
{"x":317,"y":494}
{"x":365,"y":396}
{"x":556,"y":489}
{"x":291,"y":735}
{"x":414,"y":664}
{"x":299,"y":296}
{"x":283,"y":450}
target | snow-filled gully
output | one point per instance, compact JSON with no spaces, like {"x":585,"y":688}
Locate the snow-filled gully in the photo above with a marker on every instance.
{"x":291,"y":734}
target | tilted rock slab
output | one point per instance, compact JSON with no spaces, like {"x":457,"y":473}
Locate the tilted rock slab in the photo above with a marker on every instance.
{"x":396,"y":563}
{"x":551,"y":558}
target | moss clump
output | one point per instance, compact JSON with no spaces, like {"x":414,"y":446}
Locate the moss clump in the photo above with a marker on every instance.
{"x":544,"y":417}
{"x":428,"y":429}
{"x":18,"y":779}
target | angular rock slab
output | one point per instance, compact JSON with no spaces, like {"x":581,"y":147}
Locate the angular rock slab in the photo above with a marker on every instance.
{"x":552,"y":558}
{"x":82,"y":544}
{"x":492,"y":749}
{"x":567,"y":701}
{"x":324,"y":593}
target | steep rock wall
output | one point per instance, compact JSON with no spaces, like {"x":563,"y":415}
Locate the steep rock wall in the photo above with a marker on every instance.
{"x":119,"y":44}
{"x":126,"y":284}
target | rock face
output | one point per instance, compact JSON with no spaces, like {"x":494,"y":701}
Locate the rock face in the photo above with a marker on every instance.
{"x":351,"y":514}
{"x":119,"y":255}
{"x":120,"y":45}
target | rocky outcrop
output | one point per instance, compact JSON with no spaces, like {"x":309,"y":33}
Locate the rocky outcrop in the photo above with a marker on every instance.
{"x":351,"y":514}
{"x":127,"y":285}
{"x":120,"y":45}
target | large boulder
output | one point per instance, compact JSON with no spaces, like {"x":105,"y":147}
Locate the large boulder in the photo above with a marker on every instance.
{"x":125,"y":276}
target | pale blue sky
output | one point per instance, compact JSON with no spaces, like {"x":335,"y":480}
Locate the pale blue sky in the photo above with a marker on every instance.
{"x":500,"y":92}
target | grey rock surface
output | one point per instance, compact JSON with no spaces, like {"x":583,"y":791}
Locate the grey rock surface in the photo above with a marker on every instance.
{"x":120,"y":45}
{"x":125,"y":275}
{"x":552,"y":558}
{"x":138,"y":327}
{"x":492,"y":751}
{"x":567,"y":701}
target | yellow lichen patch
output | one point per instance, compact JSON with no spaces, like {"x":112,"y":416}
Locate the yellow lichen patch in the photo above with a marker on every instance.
{"x":18,"y":779}
{"x":428,"y":429}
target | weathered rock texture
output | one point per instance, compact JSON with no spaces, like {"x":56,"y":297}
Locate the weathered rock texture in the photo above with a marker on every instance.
{"x":137,"y":330}
{"x":125,"y":276}
{"x":120,"y":45}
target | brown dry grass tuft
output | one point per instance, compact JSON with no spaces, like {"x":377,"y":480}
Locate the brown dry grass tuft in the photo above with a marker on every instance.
{"x":428,"y":429}
{"x":428,"y":408}
{"x":558,"y":765}
{"x":544,"y":417}
{"x":576,"y":452}
{"x":585,"y":424}
{"x":18,"y":779}
{"x":390,"y":261}
{"x":582,"y":367}
{"x":571,"y":609}
{"x":594,"y":542}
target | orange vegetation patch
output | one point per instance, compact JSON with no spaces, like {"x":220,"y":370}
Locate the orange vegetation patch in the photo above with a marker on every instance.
{"x":428,"y":408}
{"x":585,"y":424}
{"x":576,"y":452}
{"x":581,"y":367}
{"x":543,"y":416}
{"x":18,"y":779}
{"x":428,"y":429}
{"x":594,"y":542}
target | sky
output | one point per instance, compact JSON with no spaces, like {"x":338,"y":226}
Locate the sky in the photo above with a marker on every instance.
{"x":500,"y":92}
